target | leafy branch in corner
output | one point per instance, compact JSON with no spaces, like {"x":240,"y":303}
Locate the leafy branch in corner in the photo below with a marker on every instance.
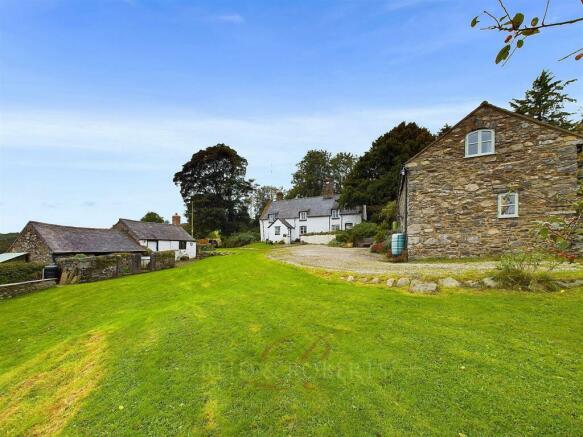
{"x":519,"y":29}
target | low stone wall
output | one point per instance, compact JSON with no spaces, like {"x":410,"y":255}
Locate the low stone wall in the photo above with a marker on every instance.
{"x":95,"y":268}
{"x":162,"y":260}
{"x":16,"y":289}
{"x":317,"y":239}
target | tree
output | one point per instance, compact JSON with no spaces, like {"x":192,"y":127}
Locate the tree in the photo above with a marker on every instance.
{"x":261,"y":195}
{"x":312,"y":171}
{"x":340,"y":167}
{"x":513,"y":25}
{"x":445,"y":129}
{"x":374,"y":181}
{"x":214,"y":188}
{"x":545,"y":101}
{"x":152,"y":217}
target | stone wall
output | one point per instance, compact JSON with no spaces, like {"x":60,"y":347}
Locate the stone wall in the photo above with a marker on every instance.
{"x":95,"y":268}
{"x":12,"y":290}
{"x":29,"y":241}
{"x":452,"y":201}
{"x":162,"y":260}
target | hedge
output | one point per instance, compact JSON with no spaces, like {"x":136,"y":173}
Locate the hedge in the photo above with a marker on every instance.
{"x":20,"y":271}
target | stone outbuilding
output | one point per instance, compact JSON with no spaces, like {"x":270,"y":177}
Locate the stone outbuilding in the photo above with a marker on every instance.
{"x":45,"y":242}
{"x":480,"y":188}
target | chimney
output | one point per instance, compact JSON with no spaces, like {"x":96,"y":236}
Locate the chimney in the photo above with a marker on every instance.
{"x":328,"y":189}
{"x":176,"y":219}
{"x":279,"y":195}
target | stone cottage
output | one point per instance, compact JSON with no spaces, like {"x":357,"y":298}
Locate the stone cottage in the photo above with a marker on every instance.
{"x":46,"y":242}
{"x":478,"y":189}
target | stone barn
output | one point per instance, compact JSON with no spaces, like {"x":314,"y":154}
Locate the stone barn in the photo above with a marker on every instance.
{"x":480,"y":188}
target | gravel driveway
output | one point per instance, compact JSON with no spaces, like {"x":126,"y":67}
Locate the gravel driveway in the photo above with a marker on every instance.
{"x":362,"y":261}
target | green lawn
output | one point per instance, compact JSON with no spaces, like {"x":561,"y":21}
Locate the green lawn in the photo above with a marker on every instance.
{"x":243,"y":345}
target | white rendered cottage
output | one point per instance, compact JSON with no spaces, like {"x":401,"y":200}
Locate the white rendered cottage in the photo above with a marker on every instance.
{"x":287,"y":220}
{"x":160,"y":236}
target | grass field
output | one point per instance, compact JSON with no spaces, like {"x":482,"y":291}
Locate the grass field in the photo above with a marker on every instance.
{"x":243,"y":345}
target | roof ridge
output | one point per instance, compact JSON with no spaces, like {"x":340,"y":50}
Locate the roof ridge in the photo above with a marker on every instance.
{"x":33,"y":222}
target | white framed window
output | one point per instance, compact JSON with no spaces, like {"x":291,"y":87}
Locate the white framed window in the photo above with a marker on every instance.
{"x":480,"y":142}
{"x":271,"y":218}
{"x":335,"y":227}
{"x":348,"y":226}
{"x":335,"y":214}
{"x":303,"y":230}
{"x":507,"y":205}
{"x":277,"y":230}
{"x":303,"y":215}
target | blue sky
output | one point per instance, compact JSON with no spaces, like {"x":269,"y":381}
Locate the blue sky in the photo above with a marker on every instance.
{"x":101,"y":102}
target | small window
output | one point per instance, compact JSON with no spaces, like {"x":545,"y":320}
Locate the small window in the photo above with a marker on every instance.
{"x":303,"y":215}
{"x":182,"y":245}
{"x":508,"y":205}
{"x":277,"y":230}
{"x":335,"y":227}
{"x":271,"y":218}
{"x":348,"y":226}
{"x":303,"y":230}
{"x":480,"y":142}
{"x":335,"y":214}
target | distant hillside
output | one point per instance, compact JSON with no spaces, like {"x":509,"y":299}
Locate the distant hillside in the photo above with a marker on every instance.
{"x":6,"y":240}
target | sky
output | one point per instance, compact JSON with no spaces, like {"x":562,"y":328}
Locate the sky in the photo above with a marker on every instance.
{"x":102,"y":101}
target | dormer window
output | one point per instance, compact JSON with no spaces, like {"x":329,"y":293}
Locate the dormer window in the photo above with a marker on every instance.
{"x":480,"y":142}
{"x":303,"y":215}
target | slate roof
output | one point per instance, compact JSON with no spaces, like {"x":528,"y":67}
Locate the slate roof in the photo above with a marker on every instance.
{"x":283,"y":221}
{"x":318,"y":206}
{"x":154,"y":231}
{"x":69,"y":239}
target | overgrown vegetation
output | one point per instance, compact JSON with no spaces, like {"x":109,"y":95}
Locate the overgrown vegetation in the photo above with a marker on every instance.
{"x":6,"y":241}
{"x":240,"y":239}
{"x":525,"y":271}
{"x":358,"y":233}
{"x":20,"y":271}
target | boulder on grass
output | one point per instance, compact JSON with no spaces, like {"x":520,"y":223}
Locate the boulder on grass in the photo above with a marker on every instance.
{"x":403,"y":282}
{"x":390,"y":282}
{"x":423,"y":287}
{"x":449,"y":283}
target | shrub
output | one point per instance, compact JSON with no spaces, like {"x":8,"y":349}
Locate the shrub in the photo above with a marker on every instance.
{"x":240,"y":239}
{"x":522,"y":271}
{"x":20,"y":271}
{"x":381,"y":247}
{"x":362,"y":231}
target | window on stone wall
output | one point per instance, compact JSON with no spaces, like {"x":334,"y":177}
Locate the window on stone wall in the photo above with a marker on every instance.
{"x":480,"y":142}
{"x":508,"y":205}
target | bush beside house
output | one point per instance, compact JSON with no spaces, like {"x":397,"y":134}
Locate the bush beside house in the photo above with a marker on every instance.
{"x":19,"y":271}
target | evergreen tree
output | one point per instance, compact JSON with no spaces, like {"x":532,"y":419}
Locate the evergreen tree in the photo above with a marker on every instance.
{"x":374,"y":181}
{"x":546,"y":100}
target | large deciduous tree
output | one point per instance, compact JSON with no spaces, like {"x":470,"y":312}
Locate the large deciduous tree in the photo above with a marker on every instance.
{"x":374,"y":180}
{"x":215,"y":190}
{"x":546,"y":101}
{"x":152,"y":217}
{"x":261,"y":195}
{"x":312,"y":171}
{"x":341,"y":165}
{"x":315,"y":168}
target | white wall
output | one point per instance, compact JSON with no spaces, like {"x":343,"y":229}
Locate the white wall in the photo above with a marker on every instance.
{"x":313,"y":225}
{"x":190,"y":250}
{"x":317,"y":239}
